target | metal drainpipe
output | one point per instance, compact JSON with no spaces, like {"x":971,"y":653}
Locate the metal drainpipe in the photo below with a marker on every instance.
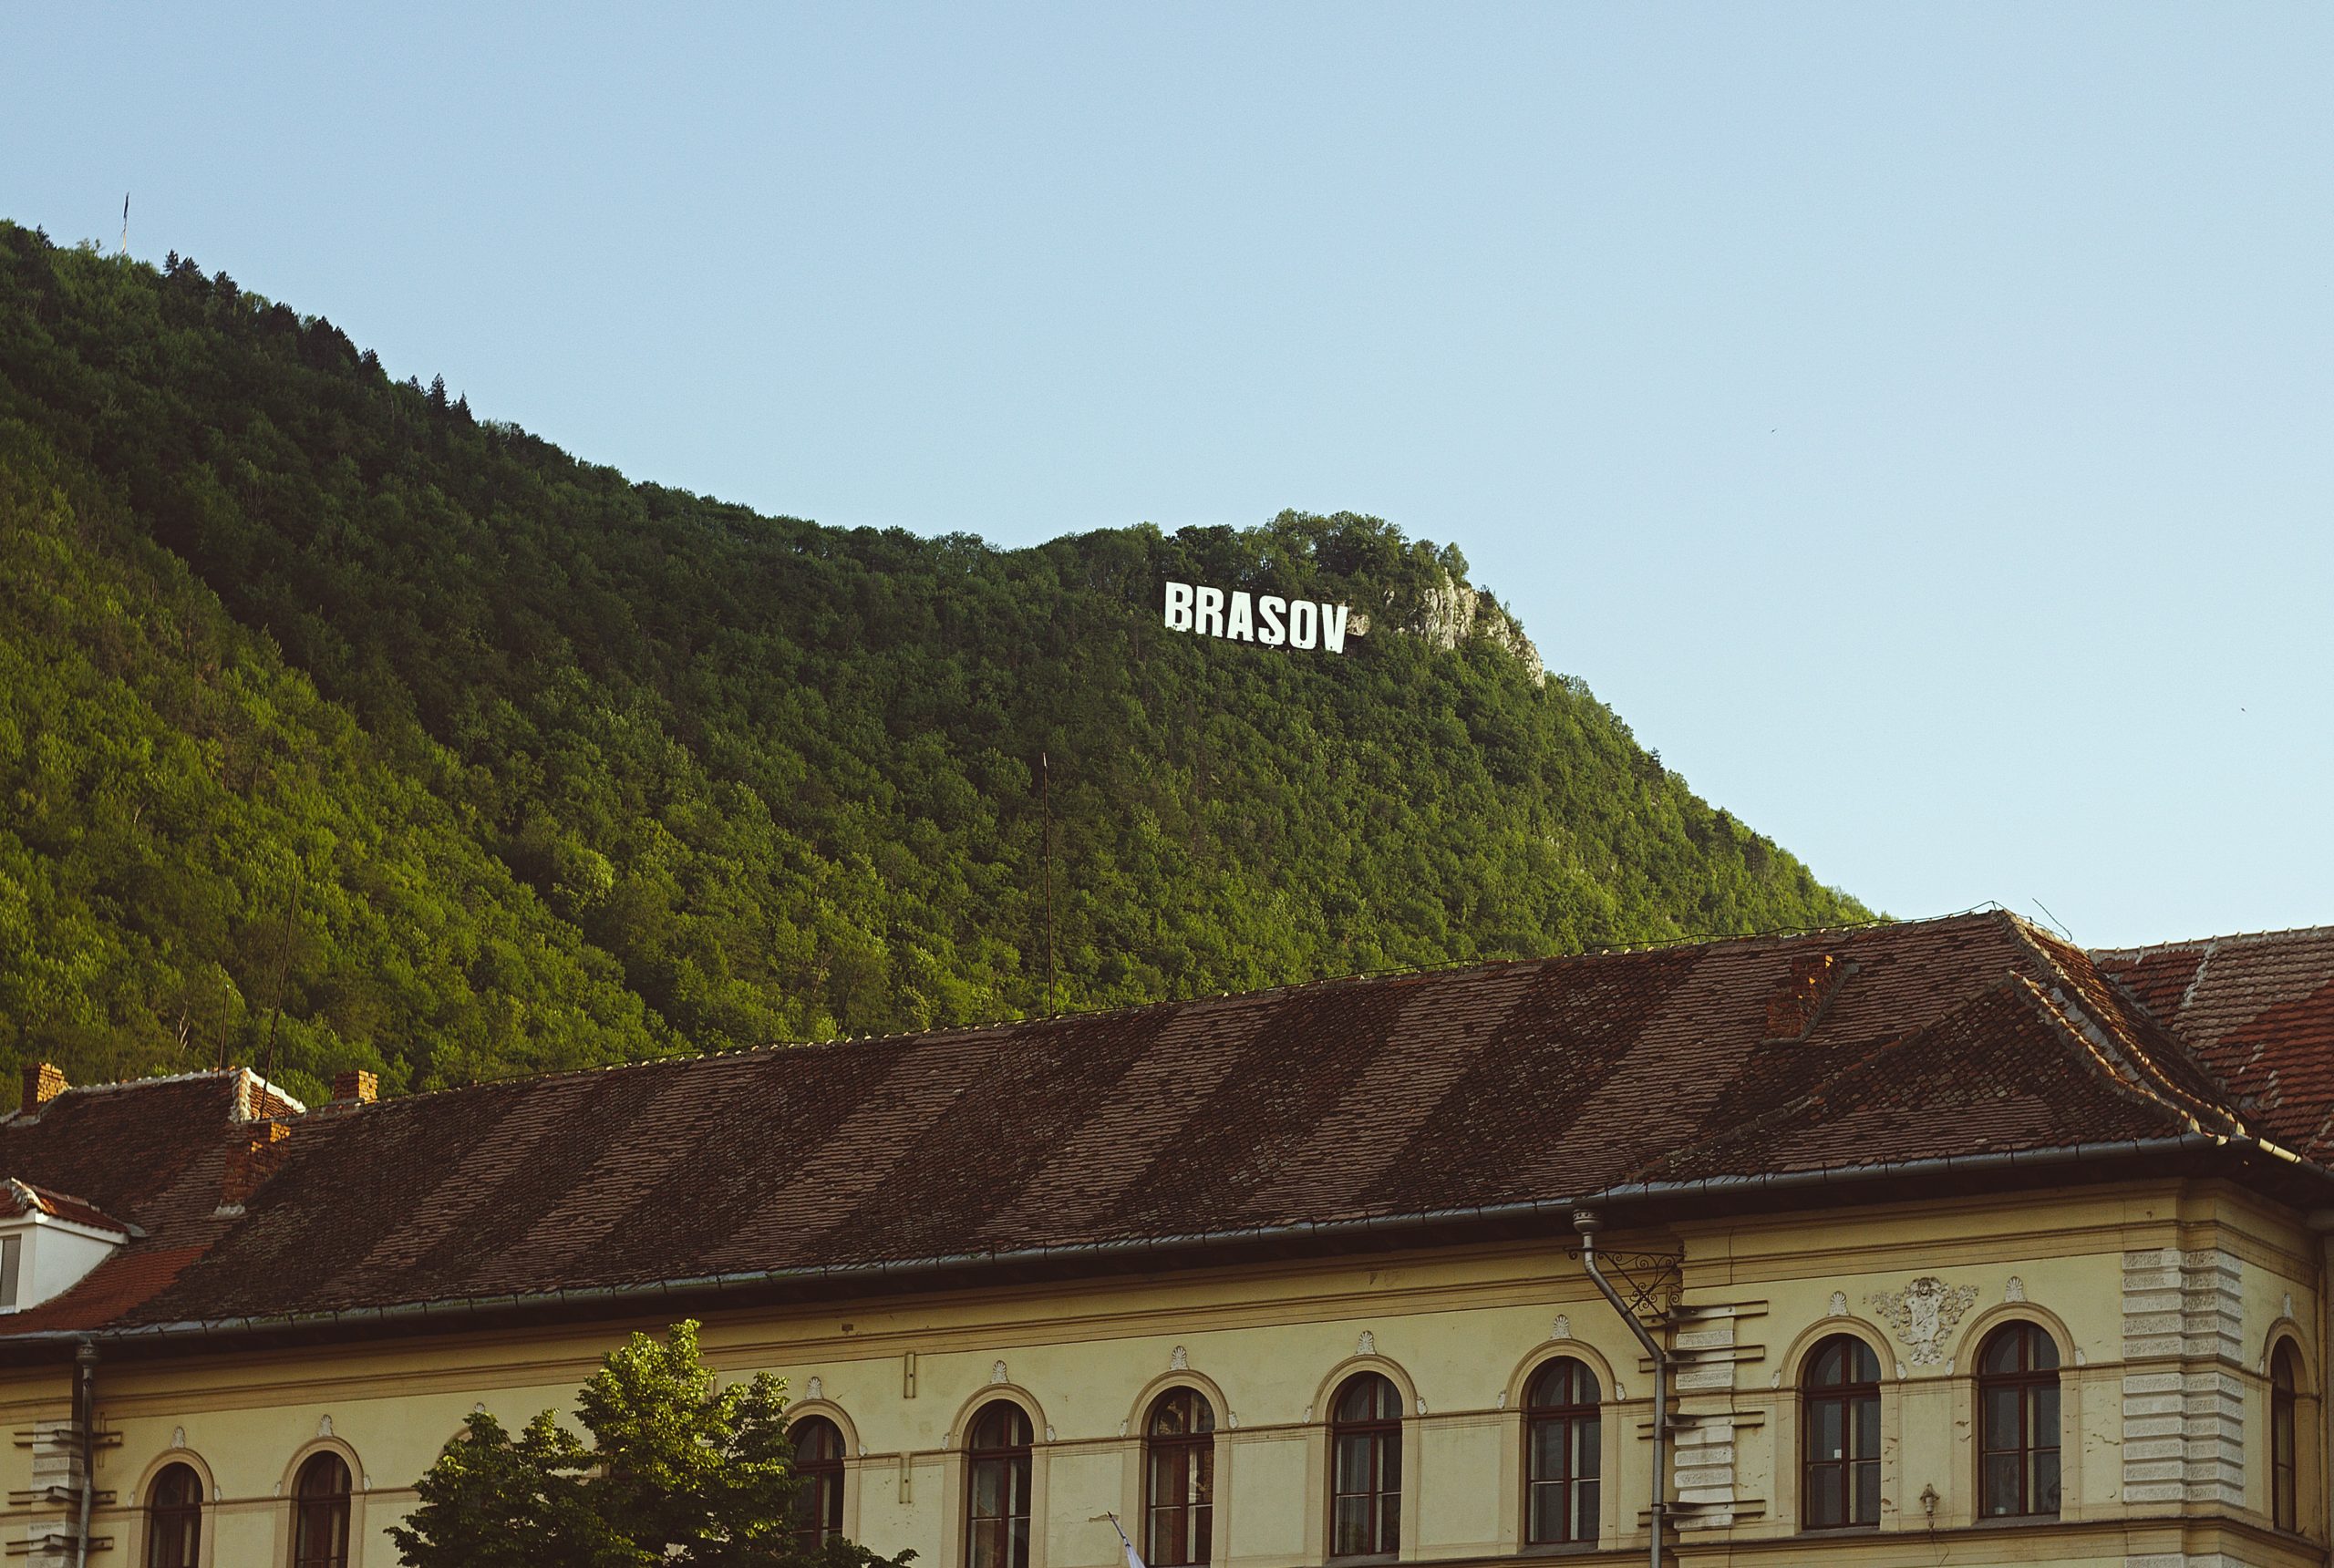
{"x":85,"y":1360}
{"x":1586,"y":1221}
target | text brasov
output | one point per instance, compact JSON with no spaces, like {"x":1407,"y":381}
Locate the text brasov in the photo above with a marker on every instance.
{"x":1266,"y":618}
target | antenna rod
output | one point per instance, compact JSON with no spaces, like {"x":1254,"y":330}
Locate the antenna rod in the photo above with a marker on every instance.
{"x":125,"y":223}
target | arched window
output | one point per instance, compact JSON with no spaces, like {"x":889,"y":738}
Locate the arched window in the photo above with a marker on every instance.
{"x":1839,"y":1415}
{"x":2284,"y":1471}
{"x":1562,"y":1439}
{"x":320,"y":1513}
{"x":2018,"y":1422}
{"x":174,"y":1518}
{"x":1366,"y":1468}
{"x":997,"y":1521}
{"x":1179,"y":1467}
{"x":818,"y":1464}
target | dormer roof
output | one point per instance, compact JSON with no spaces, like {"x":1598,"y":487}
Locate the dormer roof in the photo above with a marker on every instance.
{"x":22,"y":1200}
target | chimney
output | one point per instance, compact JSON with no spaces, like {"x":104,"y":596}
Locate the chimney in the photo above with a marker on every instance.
{"x":252,"y":1154}
{"x":1797,"y":1005}
{"x":44,"y":1081}
{"x":356,"y":1088}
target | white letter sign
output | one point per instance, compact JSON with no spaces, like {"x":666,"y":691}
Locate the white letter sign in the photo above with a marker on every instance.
{"x":1263,"y":618}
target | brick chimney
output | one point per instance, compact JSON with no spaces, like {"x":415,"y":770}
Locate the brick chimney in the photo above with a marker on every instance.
{"x":356,"y":1088}
{"x":1797,"y":1005}
{"x":44,"y":1081}
{"x":253,"y":1152}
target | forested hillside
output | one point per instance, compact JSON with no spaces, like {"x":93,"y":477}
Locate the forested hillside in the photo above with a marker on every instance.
{"x":340,"y":727}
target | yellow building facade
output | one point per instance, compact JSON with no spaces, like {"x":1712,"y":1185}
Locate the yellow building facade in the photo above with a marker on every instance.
{"x":2176,"y":1284}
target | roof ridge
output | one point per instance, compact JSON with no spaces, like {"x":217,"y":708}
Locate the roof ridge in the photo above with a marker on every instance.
{"x":2186,"y":943}
{"x":2118,"y":1025}
{"x":2061,"y":1013}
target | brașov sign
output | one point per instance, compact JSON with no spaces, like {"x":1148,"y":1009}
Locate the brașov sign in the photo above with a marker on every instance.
{"x":1266,"y":618}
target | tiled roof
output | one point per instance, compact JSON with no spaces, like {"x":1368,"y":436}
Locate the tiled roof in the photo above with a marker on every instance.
{"x":1494,"y":1087}
{"x":2258,"y":1011}
{"x":18,"y":1198}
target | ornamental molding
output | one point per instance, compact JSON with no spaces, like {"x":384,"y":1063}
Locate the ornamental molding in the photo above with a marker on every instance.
{"x":1923,"y":1314}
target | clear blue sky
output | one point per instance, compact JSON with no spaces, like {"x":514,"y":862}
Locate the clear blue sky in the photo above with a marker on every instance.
{"x":1918,"y":422}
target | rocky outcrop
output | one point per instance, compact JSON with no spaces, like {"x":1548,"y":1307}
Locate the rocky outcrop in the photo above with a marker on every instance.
{"x":1453,"y":613}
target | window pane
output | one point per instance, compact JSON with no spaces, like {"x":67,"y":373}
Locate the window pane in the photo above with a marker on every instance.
{"x":1585,"y":1522}
{"x":1355,"y":1452}
{"x":2042,"y":1431}
{"x":1588,"y":1454}
{"x":1350,"y":1533}
{"x":2001,"y":1418}
{"x":2046,"y":1482}
{"x":1867,"y":1435}
{"x":1997,"y":1484}
{"x":1824,"y":1430}
{"x":1547,"y":1510}
{"x":1825,"y":1505}
{"x":1016,"y":1470}
{"x":1547,"y":1450}
{"x":1867,"y":1492}
{"x":1389,"y":1522}
{"x":988,"y":1489}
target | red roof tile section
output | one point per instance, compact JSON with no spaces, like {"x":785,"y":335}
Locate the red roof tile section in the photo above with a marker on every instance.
{"x":1539,"y":1082}
{"x":2259,"y":1012}
{"x":18,"y":1198}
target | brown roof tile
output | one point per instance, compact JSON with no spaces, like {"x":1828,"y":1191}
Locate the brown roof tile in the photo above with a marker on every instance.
{"x":2258,"y":1012}
{"x":1452,"y":1091}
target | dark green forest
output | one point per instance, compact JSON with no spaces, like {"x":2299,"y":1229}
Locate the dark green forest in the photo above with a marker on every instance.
{"x":342,"y":728}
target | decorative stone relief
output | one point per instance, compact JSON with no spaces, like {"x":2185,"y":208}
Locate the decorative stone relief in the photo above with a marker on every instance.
{"x":1620,"y":1389}
{"x":1923,"y":1314}
{"x":1178,"y":1360}
{"x":816,"y":1388}
{"x":1500,"y":1403}
{"x":178,"y":1437}
{"x":478,"y":1408}
{"x":1122,"y":1429}
{"x":1049,"y":1433}
{"x":996,"y":1373}
{"x":1366,"y":1345}
{"x":1838,"y":1306}
{"x":2286,"y":1305}
{"x":1562,"y":1329}
{"x":324,"y":1428}
{"x":2014,"y":1290}
{"x":1232,"y":1420}
{"x":1421,"y":1406}
{"x":1900,"y":1371}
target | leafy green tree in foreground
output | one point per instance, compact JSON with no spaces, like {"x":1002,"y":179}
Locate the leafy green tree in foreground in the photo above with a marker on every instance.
{"x":680,"y":1471}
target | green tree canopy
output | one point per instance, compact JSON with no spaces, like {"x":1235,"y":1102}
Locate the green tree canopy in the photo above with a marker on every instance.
{"x":682,"y":1470}
{"x":341,"y":730}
